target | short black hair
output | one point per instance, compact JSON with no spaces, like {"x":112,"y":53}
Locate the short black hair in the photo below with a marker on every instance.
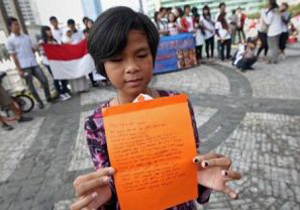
{"x":52,"y":18}
{"x":10,"y":21}
{"x":71,"y":22}
{"x":222,"y":4}
{"x":85,"y":19}
{"x":109,"y":35}
{"x":186,"y":6}
{"x":162,"y":9}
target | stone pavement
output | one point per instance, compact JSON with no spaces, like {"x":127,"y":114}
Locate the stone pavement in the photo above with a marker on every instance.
{"x":253,"y":117}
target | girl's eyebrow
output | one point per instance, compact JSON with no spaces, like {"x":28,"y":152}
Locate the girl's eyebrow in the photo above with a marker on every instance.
{"x":142,"y":49}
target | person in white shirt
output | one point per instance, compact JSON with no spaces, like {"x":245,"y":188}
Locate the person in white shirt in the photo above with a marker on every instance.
{"x":222,"y":9}
{"x":209,"y":29}
{"x":172,"y":24}
{"x":223,"y":35}
{"x":160,"y":24}
{"x":285,"y":19}
{"x":21,"y":49}
{"x":273,"y":20}
{"x":56,"y":31}
{"x":77,"y":35}
{"x":187,"y":23}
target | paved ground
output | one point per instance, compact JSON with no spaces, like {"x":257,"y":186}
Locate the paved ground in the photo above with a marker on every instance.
{"x":253,"y":117}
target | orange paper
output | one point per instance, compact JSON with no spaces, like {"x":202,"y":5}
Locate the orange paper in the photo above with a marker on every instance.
{"x":151,"y":144}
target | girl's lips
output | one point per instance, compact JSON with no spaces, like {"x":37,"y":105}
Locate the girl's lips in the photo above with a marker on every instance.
{"x":134,"y":82}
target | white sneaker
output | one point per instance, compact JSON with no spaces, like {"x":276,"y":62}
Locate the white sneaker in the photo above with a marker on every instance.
{"x":68,"y":96}
{"x":63,"y":97}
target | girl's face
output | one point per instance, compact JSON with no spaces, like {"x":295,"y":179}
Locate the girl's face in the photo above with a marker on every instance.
{"x":89,"y":24}
{"x":171,"y":17}
{"x":49,"y":33}
{"x":205,"y":12}
{"x":131,"y":71}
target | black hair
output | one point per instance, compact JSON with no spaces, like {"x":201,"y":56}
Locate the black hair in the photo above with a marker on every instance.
{"x":175,"y":18}
{"x":109,"y":35}
{"x":204,"y":15}
{"x":285,"y":4}
{"x":169,"y":9}
{"x":222,"y":20}
{"x":10,"y":21}
{"x":222,"y":4}
{"x":162,"y":9}
{"x":273,"y":5}
{"x":85,"y":19}
{"x":44,"y":30}
{"x":52,"y":18}
{"x":180,"y":11}
{"x":186,"y":6}
{"x":155,"y":17}
{"x":71,"y":22}
{"x":233,"y":11}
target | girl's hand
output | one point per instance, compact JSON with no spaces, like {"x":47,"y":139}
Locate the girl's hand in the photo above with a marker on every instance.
{"x":214,"y":172}
{"x":92,"y":190}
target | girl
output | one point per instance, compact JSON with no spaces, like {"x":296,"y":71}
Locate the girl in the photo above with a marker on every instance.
{"x":285,"y":19}
{"x":60,"y":85}
{"x":273,"y":20}
{"x":160,"y":24}
{"x":224,"y":36}
{"x":199,"y":35}
{"x":172,"y":25}
{"x":209,"y":32}
{"x":123,"y":44}
{"x":187,"y":23}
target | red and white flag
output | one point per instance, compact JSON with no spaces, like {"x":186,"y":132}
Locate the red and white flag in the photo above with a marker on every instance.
{"x":69,"y":61}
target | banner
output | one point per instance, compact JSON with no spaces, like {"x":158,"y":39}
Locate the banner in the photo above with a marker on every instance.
{"x":175,"y":52}
{"x":69,"y":61}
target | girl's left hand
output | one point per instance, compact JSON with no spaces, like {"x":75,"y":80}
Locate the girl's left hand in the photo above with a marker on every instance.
{"x":214,"y":171}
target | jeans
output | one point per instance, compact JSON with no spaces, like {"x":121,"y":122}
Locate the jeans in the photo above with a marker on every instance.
{"x":240,"y":31}
{"x":246,"y":63}
{"x":210,"y":43}
{"x":36,"y":71}
{"x":227,"y":44}
{"x":199,"y":52}
{"x":60,"y":85}
{"x":264,"y":43}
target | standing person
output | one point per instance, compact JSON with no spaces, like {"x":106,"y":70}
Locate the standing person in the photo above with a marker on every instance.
{"x":80,"y":84}
{"x":160,"y":24}
{"x":240,"y":25}
{"x":223,"y":34}
{"x":233,"y":23}
{"x":273,"y":19}
{"x":222,"y":9}
{"x":187,"y":24}
{"x":209,"y":32}
{"x":77,"y":35}
{"x":60,"y":85}
{"x":56,"y":31}
{"x":285,"y":19}
{"x":172,"y":24}
{"x":96,"y":190}
{"x":262,"y":34}
{"x":179,"y":14}
{"x":21,"y":49}
{"x":199,"y":34}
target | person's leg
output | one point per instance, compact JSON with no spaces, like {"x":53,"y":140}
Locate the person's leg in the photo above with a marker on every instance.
{"x":4,"y":125}
{"x":219,"y":49}
{"x":207,"y":43}
{"x":55,"y":82}
{"x":228,"y":48}
{"x":222,"y":45}
{"x":266,"y":46}
{"x":29,"y":80}
{"x":64,"y":84}
{"x":239,"y":34}
{"x":281,"y":43}
{"x":261,"y":47}
{"x":212,"y":45}
{"x":39,"y":74}
{"x":243,"y":34}
{"x":200,"y":52}
{"x":273,"y":43}
{"x":233,"y":35}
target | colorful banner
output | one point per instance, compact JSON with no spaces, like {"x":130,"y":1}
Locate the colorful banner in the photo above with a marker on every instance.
{"x":175,"y":52}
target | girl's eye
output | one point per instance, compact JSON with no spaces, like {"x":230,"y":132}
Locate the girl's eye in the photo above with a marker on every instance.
{"x":143,"y":55}
{"x":116,"y":60}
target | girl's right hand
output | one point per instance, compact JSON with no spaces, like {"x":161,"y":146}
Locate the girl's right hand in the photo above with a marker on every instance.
{"x":93,"y":190}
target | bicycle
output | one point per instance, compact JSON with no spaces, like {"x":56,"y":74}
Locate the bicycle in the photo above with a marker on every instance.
{"x":23,"y":98}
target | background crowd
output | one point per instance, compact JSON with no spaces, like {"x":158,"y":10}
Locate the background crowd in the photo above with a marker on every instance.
{"x":228,"y":28}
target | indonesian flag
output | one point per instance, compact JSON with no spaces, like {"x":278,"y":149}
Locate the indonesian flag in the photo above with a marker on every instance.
{"x":69,"y":61}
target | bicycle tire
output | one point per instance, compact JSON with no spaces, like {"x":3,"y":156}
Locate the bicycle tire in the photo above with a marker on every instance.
{"x":22,"y":99}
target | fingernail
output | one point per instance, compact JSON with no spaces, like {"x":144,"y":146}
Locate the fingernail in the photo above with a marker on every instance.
{"x":224,"y":173}
{"x":94,"y":195}
{"x":196,"y":160}
{"x":204,"y":164}
{"x":111,"y":171}
{"x":234,"y":195}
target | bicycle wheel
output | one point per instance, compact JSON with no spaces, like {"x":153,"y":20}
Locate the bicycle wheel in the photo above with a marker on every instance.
{"x":25,"y":102}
